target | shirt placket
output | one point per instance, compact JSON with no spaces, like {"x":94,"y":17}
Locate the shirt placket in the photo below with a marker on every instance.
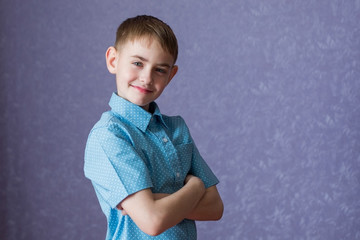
{"x":169,"y":151}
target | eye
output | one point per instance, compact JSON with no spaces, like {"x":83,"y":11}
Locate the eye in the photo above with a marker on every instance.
{"x":138,"y":64}
{"x":160,"y":70}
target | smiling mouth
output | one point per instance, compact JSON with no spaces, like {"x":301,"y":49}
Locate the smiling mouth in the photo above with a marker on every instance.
{"x":142,"y":90}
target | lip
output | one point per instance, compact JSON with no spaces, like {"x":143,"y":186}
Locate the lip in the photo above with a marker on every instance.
{"x":141,"y":89}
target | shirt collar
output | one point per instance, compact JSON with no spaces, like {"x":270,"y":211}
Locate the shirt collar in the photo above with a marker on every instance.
{"x":134,"y":113}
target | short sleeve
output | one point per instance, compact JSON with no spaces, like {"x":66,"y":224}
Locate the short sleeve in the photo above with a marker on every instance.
{"x":114,"y":167}
{"x":201,"y":169}
{"x":198,"y":166}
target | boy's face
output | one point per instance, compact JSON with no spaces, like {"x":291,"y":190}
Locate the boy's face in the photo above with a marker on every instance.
{"x":143,"y":69}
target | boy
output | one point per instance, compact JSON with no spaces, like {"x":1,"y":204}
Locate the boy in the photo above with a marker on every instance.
{"x":146,"y":170}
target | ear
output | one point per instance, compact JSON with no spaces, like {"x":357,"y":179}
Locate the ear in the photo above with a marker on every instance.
{"x":111,"y":59}
{"x":173,"y":71}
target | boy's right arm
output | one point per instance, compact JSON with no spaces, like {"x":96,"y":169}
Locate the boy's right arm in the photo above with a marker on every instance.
{"x":154,"y":216}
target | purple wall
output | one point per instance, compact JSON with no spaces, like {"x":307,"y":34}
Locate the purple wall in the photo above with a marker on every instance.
{"x":269,"y":89}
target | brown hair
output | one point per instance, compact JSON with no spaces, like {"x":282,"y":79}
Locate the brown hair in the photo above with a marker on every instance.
{"x":148,"y":26}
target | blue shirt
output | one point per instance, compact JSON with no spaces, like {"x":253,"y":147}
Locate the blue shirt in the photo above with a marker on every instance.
{"x":130,"y":149}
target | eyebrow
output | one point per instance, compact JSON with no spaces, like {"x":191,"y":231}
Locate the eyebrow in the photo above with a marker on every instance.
{"x":145,"y":60}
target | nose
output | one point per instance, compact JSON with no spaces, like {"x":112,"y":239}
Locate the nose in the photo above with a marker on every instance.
{"x":146,"y":77}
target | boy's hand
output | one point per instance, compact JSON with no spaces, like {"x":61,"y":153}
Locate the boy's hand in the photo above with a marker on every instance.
{"x":188,"y":177}
{"x":123,"y":212}
{"x":210,"y":206}
{"x":191,"y":179}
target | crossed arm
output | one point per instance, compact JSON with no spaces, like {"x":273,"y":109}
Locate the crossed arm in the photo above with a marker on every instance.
{"x":155,"y":213}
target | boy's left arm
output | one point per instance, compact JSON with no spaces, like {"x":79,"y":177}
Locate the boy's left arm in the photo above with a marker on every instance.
{"x":209,"y":208}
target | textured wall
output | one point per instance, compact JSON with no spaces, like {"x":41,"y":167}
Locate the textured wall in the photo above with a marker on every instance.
{"x":270,"y":90}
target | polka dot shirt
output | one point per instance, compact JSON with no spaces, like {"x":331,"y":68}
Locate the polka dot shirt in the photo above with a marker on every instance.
{"x":130,"y":149}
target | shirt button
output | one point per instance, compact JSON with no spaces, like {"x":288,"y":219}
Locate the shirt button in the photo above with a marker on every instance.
{"x":178,"y":174}
{"x":165,"y":140}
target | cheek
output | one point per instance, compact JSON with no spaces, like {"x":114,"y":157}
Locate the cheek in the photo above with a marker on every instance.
{"x":161,"y":85}
{"x":128,"y":75}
